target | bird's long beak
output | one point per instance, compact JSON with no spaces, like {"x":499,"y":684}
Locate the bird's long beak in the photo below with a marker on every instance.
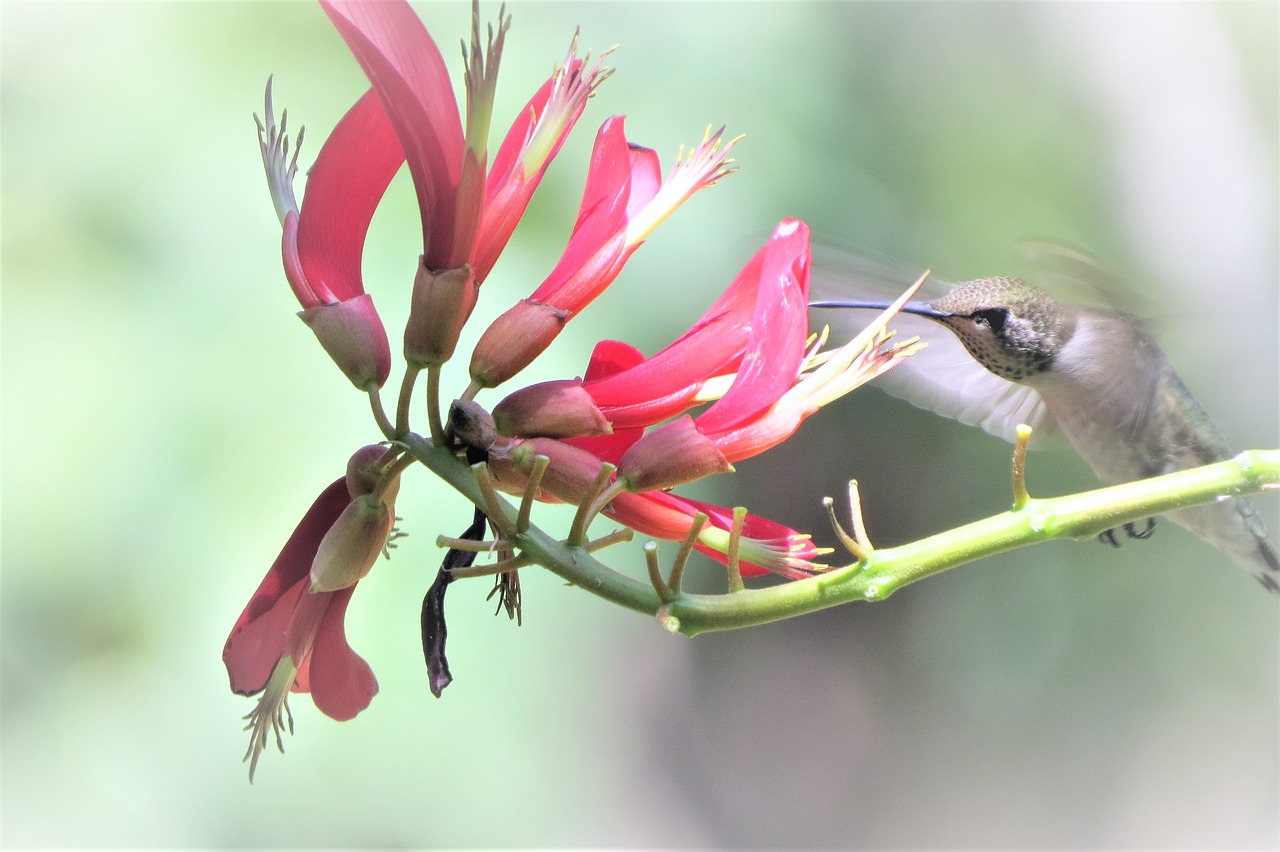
{"x":920,"y":309}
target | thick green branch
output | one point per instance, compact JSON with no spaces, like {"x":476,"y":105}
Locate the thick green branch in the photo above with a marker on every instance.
{"x":886,"y":570}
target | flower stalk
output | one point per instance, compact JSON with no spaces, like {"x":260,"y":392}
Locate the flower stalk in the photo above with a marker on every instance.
{"x":885,"y":570}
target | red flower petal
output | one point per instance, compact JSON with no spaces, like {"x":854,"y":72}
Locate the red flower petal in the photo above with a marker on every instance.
{"x":410,"y":76}
{"x":619,"y":177}
{"x":340,"y":681}
{"x":664,"y":386}
{"x":609,"y":357}
{"x":252,"y":650}
{"x":257,"y":642}
{"x":779,"y":329}
{"x":350,"y":175}
{"x":509,"y":188}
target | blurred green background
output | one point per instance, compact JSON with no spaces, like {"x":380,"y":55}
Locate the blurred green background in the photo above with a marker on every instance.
{"x":167,"y":421}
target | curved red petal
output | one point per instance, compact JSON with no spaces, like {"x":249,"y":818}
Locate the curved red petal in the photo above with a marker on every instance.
{"x":779,"y":329}
{"x":713,"y":346}
{"x":407,"y":71}
{"x":350,"y":175}
{"x":341,"y":682}
{"x":597,"y":248}
{"x":252,"y":650}
{"x":754,"y":527}
{"x":646,"y":178}
{"x":508,"y":189}
{"x":609,"y":357}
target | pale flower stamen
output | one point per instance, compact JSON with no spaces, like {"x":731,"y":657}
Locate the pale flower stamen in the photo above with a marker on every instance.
{"x":271,"y":714}
{"x":570,"y":89}
{"x":279,"y":166}
{"x":705,"y":165}
{"x":781,"y":556}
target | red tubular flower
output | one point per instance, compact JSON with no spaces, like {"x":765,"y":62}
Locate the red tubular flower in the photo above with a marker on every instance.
{"x":323,"y":242}
{"x":764,"y":546}
{"x":529,"y":147}
{"x":771,"y":393}
{"x":624,"y":200}
{"x":290,"y":639}
{"x":468,"y":213}
{"x":681,"y":375}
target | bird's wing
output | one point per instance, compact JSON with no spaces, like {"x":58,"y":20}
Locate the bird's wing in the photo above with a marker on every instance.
{"x":945,"y":379}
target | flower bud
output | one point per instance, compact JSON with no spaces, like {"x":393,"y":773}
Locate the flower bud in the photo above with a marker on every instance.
{"x":671,"y":455}
{"x":471,"y":424}
{"x":352,"y":333}
{"x":441,"y":305}
{"x":513,"y":340}
{"x":351,"y":546}
{"x":559,"y":409}
{"x":362,"y":477}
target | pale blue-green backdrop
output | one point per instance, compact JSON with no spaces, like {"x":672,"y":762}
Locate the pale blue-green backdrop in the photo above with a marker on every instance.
{"x":167,"y":420}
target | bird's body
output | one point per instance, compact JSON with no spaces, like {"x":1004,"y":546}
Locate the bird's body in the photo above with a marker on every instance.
{"x":1094,"y":376}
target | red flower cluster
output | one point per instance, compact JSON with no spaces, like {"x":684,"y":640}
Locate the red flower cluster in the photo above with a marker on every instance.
{"x":749,"y":355}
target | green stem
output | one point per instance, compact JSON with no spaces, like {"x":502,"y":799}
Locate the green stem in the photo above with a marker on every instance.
{"x":433,"y":404}
{"x":380,"y":414}
{"x":404,"y":403}
{"x":888,"y":569}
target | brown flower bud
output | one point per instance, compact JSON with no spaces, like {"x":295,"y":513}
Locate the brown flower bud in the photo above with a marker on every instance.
{"x":513,"y":340}
{"x":670,"y":455}
{"x":559,"y":409}
{"x":442,"y":303}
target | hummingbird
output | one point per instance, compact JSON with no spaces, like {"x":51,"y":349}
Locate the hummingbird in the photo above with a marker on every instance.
{"x":1091,"y":375}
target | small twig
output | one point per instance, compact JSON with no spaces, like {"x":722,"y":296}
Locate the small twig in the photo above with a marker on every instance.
{"x":1020,"y":496}
{"x":857,"y":520}
{"x":433,"y":405}
{"x":858,"y":543}
{"x":540,"y":463}
{"x":513,"y":563}
{"x":846,"y":541}
{"x":472,"y":545}
{"x":686,"y":548}
{"x":380,"y":413}
{"x":391,"y":474}
{"x":735,"y":540}
{"x":406,"y":399}
{"x":591,"y":504}
{"x":655,"y":573}
{"x":493,"y":503}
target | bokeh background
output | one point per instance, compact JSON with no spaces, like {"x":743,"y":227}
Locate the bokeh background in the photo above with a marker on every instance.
{"x":167,"y":421}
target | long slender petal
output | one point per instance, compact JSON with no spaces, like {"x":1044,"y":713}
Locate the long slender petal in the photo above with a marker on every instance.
{"x":350,"y":175}
{"x":619,"y":177}
{"x":667,"y":384}
{"x":529,"y":147}
{"x":407,"y":71}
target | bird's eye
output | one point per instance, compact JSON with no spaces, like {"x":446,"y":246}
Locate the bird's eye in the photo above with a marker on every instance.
{"x":993,"y":317}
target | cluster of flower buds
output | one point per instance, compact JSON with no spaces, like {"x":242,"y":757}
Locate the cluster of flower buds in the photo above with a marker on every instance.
{"x":749,"y":365}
